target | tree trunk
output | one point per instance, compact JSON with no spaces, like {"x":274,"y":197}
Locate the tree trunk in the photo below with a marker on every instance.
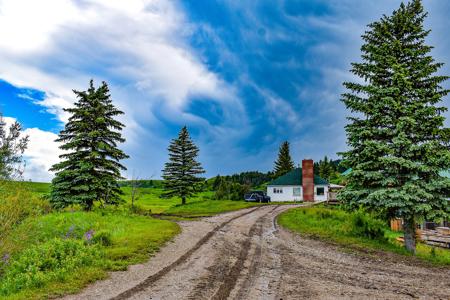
{"x":409,"y":228}
{"x":183,"y":200}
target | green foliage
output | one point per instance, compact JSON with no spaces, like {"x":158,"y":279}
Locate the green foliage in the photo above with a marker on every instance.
{"x":120,"y":239}
{"x":16,"y":204}
{"x":367,"y":226}
{"x":252,"y":178}
{"x":325,"y":168}
{"x":355,"y":230}
{"x":91,"y":168}
{"x":397,"y":139}
{"x":12,"y":146}
{"x":182,"y":170}
{"x":231,"y":191}
{"x":143,"y":183}
{"x":284,"y":163}
{"x":54,"y":260}
{"x":102,"y":237}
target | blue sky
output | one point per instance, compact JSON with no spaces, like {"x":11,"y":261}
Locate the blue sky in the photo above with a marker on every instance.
{"x":242,"y":75}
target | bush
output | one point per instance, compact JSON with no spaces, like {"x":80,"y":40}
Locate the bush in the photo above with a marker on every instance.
{"x":367,"y":226}
{"x":51,"y":261}
{"x":102,"y":238}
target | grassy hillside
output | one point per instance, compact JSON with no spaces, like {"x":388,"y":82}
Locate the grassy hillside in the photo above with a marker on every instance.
{"x":61,"y":252}
{"x":46,"y":253}
{"x":39,"y":188}
{"x":354,"y":230}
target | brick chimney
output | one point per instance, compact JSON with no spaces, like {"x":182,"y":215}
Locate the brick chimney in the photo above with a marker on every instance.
{"x":308,"y":180}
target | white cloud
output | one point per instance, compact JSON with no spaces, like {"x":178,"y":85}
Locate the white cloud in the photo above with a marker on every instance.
{"x":58,"y":45}
{"x":42,"y":152}
{"x":140,"y":47}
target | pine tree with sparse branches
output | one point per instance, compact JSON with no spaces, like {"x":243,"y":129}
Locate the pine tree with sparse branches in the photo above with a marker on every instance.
{"x":181,"y":172}
{"x":397,"y":139}
{"x":12,"y":146}
{"x":91,"y":166}
{"x":284,"y":163}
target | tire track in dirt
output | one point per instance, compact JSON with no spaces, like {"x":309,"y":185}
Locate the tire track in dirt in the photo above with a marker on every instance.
{"x":233,"y":275}
{"x":157,"y":276}
{"x":256,"y":263}
{"x":222,"y":267}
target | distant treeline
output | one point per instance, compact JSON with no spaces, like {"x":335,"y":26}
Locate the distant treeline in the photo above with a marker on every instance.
{"x":252,"y":178}
{"x":151,"y":183}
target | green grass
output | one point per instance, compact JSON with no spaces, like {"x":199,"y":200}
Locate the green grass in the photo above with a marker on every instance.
{"x":354,"y":230}
{"x":132,"y":239}
{"x":150,"y":199}
{"x":38,"y":188}
{"x":208,"y":208}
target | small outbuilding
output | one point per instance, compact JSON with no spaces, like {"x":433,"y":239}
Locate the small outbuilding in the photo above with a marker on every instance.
{"x":299,"y":185}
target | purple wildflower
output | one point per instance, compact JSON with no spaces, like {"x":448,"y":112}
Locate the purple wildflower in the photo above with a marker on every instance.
{"x":70,"y":232}
{"x":5,"y":259}
{"x":89,"y":234}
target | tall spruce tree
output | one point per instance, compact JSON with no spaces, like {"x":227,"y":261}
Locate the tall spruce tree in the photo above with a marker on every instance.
{"x":284,"y":163}
{"x":397,"y":139}
{"x":91,"y":166}
{"x":180,"y":173}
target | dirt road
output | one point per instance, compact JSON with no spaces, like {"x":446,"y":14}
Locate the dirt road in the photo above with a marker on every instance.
{"x":244,"y":255}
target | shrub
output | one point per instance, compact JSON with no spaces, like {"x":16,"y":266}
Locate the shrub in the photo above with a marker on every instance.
{"x":102,"y":238}
{"x":51,"y":261}
{"x":139,"y":210}
{"x":367,"y":226}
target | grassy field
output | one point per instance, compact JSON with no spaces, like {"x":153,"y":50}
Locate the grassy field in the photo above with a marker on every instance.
{"x":354,"y":230}
{"x":45,"y":253}
{"x":149,"y":199}
{"x":208,"y":208}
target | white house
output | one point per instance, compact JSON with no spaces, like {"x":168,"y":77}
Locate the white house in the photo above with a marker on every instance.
{"x":299,"y":185}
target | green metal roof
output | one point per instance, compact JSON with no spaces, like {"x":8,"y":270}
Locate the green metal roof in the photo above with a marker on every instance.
{"x":295,"y":178}
{"x":346,"y":172}
{"x":445,"y":173}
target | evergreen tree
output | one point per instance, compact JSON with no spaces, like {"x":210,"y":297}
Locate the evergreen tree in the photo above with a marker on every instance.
{"x":12,"y":146}
{"x":397,"y":140}
{"x":284,"y":163}
{"x":180,"y":173}
{"x":325,"y":168}
{"x":216,"y":182}
{"x":91,"y":167}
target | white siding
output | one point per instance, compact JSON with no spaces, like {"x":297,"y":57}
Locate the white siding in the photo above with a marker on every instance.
{"x":325,"y":194}
{"x":288,"y":193}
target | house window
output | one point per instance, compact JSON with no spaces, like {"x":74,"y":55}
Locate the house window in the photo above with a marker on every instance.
{"x":277,"y":190}
{"x":320,"y":191}
{"x":297,"y":191}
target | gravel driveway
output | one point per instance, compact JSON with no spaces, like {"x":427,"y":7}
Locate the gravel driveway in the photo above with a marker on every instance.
{"x":244,"y":255}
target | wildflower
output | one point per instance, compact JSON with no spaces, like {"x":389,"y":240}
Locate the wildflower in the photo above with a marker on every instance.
{"x":5,"y":259}
{"x":89,"y":234}
{"x":70,"y":232}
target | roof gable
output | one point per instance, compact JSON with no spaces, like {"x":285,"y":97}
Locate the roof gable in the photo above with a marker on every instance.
{"x":295,"y":178}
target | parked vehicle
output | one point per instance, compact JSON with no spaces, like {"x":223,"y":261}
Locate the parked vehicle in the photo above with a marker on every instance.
{"x":256,"y":196}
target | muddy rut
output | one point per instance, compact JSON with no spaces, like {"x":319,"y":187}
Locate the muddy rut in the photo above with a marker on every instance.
{"x":245,"y":255}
